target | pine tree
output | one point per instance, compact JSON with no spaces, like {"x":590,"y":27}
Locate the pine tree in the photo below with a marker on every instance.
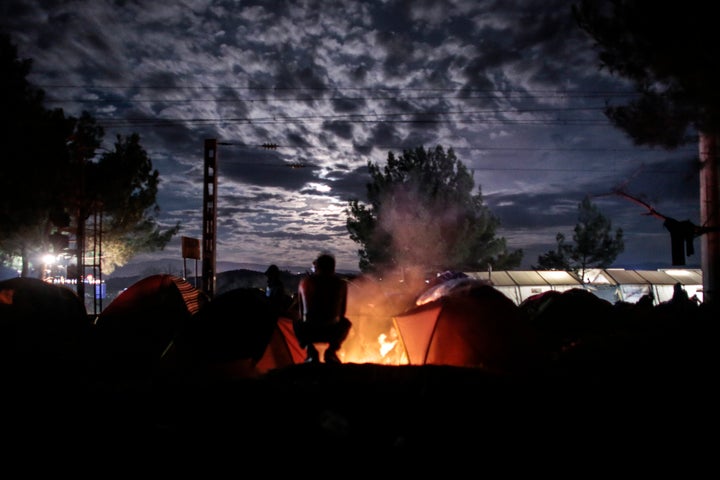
{"x":595,"y":246}
{"x":666,"y":50}
{"x":422,"y":212}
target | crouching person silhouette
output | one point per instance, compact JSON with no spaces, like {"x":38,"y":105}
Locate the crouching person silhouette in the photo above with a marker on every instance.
{"x":322,"y":304}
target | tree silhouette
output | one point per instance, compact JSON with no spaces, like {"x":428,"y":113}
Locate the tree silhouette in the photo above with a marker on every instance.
{"x":32,"y":159}
{"x":53,"y":180}
{"x":682,"y":232}
{"x":594,"y":246}
{"x":422,"y":212}
{"x":667,"y":50}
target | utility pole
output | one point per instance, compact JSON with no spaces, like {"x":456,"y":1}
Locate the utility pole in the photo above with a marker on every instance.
{"x":209,"y":234}
{"x":710,"y":214}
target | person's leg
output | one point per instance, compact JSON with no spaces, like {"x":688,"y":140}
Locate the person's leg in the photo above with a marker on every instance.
{"x":330,"y":355}
{"x":304,"y":333}
{"x":312,"y":355}
{"x":340,"y":333}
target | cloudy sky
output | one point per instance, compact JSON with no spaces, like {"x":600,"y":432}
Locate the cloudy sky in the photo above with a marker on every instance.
{"x":512,"y":86}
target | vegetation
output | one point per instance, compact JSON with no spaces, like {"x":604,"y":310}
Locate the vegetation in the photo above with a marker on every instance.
{"x":422,"y":212}
{"x":594,"y":247}
{"x":666,"y":50}
{"x":53,"y":181}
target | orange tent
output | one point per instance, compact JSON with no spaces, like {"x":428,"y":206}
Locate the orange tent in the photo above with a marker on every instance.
{"x":472,"y":326}
{"x":283,"y":348}
{"x":238,"y":334}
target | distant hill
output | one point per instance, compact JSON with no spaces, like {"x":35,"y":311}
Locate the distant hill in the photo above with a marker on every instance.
{"x":224,"y":281}
{"x":174,"y":266}
{"x":7,"y":272}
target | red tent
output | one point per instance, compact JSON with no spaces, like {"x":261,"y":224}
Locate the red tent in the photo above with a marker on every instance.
{"x":473,"y":326}
{"x":139,"y":325}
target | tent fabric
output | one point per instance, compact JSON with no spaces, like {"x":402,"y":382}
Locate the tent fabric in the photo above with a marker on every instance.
{"x":44,"y":331}
{"x":241,"y":330}
{"x":34,"y":304}
{"x":40,"y":317}
{"x":417,"y":328}
{"x":443,"y":288}
{"x":533,"y":305}
{"x":236,"y":324}
{"x":473,"y":326}
{"x":283,"y":348}
{"x":572,"y":315}
{"x":156,"y":291}
{"x":139,"y":325}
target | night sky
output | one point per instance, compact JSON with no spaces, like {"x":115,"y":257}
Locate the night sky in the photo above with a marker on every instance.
{"x":512,"y":86}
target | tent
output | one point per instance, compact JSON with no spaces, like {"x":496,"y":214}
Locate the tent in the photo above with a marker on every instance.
{"x":238,"y":334}
{"x":41,"y":321}
{"x":571,"y":316}
{"x":39,"y":303}
{"x":282,"y":349}
{"x":138,"y":326}
{"x":472,"y":326}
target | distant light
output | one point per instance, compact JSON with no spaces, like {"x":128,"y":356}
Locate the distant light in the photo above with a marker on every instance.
{"x":679,"y":273}
{"x":554,"y":274}
{"x":48,"y":259}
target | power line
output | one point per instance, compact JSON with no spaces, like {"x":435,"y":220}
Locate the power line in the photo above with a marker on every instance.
{"x":276,"y":146}
{"x":401,"y":94}
{"x":329,"y":89}
{"x":328,"y":94}
{"x":323,"y":98}
{"x":374,"y":118}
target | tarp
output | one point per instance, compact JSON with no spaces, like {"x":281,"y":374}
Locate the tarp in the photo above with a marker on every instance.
{"x":472,"y":326}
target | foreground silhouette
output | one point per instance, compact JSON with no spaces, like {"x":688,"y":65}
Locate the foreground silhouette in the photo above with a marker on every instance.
{"x":636,"y":374}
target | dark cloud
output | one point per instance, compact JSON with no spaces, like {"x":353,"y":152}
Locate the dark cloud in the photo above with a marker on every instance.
{"x":341,"y":129}
{"x":384,"y":134}
{"x":512,"y":86}
{"x":257,"y":167}
{"x":347,"y":105}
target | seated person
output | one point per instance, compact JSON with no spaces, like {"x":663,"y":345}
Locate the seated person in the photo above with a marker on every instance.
{"x":322,"y":304}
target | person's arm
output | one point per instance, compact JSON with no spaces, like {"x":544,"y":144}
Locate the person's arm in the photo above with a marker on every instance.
{"x":301,"y":300}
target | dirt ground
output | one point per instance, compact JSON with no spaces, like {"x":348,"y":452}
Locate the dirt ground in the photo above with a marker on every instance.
{"x":346,"y":413}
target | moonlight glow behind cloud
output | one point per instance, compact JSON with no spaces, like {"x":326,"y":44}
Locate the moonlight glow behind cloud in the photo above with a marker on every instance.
{"x":512,"y":87}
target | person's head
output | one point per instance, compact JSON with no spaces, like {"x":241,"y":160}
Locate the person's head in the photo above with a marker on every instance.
{"x":325,"y":263}
{"x":272,"y":271}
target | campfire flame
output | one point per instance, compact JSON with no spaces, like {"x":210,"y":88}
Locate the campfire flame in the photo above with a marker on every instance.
{"x":372,"y":304}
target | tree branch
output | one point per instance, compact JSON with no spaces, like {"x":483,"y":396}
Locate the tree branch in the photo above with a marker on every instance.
{"x":696,"y":230}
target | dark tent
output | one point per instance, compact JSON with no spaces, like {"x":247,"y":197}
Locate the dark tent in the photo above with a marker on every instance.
{"x":237,"y":334}
{"x":44,"y":328}
{"x":136,"y":329}
{"x":569,"y":317}
{"x":235,"y":324}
